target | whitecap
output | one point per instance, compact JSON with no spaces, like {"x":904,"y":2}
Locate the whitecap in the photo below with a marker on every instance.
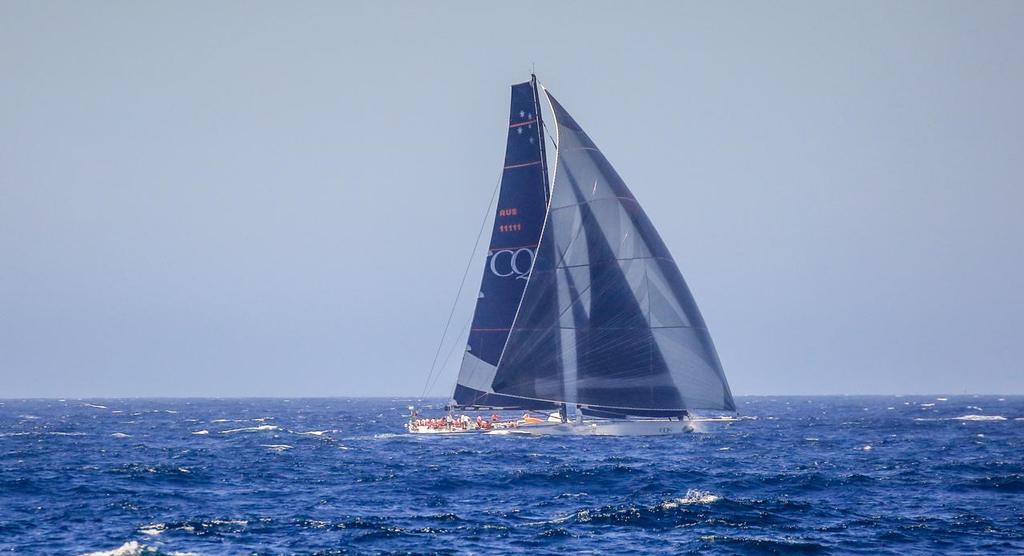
{"x":220,"y":420}
{"x":183,"y":470}
{"x":60,"y":433}
{"x":811,"y":439}
{"x":942,"y":399}
{"x":152,"y":530}
{"x":725,"y":449}
{"x":313,"y":433}
{"x":95,"y":405}
{"x":252,"y":429}
{"x":204,"y":431}
{"x":276,"y":447}
{"x":241,"y":522}
{"x":121,"y":435}
{"x":867,"y":448}
{"x":130,"y":548}
{"x":980,"y":418}
{"x":693,"y":496}
{"x":927,"y":405}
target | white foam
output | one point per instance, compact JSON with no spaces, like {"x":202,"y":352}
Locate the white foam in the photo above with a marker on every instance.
{"x":60,"y":433}
{"x":867,"y":448}
{"x":220,"y":420}
{"x":204,"y":431}
{"x":252,"y":429}
{"x":121,"y":435}
{"x":133,"y":548}
{"x":152,"y":530}
{"x":130,"y":548}
{"x":980,"y":418}
{"x":942,"y":399}
{"x":183,"y":470}
{"x":94,"y":405}
{"x":693,"y":496}
{"x":277,"y":447}
{"x":927,"y":405}
{"x":721,"y":419}
{"x":811,"y":439}
{"x":241,"y":522}
{"x":313,"y":433}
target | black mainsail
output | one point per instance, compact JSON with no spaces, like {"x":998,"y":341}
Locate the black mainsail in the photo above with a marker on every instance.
{"x":606,"y":319}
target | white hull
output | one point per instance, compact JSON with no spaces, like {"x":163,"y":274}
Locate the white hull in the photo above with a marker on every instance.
{"x":644,"y":427}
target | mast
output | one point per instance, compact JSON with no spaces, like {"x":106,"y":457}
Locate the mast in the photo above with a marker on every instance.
{"x":540,"y":138}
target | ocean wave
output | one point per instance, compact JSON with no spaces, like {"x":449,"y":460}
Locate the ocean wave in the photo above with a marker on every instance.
{"x":130,"y":548}
{"x":693,"y":496}
{"x":152,"y":530}
{"x":95,"y":406}
{"x":120,"y":435}
{"x":669,"y":513}
{"x":260,"y":428}
{"x":980,"y":418}
{"x":134,"y":548}
{"x":204,"y":431}
{"x":277,"y":447}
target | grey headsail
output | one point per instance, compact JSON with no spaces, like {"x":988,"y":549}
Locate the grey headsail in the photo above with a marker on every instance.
{"x":607,"y":320}
{"x":522,"y":204}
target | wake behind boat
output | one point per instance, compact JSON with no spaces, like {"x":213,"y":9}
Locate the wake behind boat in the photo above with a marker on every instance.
{"x":581,"y":305}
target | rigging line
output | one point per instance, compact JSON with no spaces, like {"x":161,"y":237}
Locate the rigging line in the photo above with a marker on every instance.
{"x":448,"y":357}
{"x":465,"y":273}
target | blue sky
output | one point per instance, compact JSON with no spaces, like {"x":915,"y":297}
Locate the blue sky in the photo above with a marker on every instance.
{"x":238,"y":199}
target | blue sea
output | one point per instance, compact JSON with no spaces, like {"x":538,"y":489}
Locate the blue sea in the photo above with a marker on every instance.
{"x":871,"y":475}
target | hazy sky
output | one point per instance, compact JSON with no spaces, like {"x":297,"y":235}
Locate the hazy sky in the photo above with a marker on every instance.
{"x":237,"y":199}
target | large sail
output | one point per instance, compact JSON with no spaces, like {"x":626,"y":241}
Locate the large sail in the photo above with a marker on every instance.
{"x":519,"y":217}
{"x":607,"y":320}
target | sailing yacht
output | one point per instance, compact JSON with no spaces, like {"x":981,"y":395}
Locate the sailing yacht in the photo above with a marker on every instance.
{"x":582,"y":312}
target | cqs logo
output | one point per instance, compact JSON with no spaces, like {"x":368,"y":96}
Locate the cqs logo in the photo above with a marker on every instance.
{"x":512,"y":262}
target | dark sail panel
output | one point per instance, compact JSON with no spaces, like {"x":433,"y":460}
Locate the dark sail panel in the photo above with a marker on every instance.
{"x":626,"y":332}
{"x":522,"y":203}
